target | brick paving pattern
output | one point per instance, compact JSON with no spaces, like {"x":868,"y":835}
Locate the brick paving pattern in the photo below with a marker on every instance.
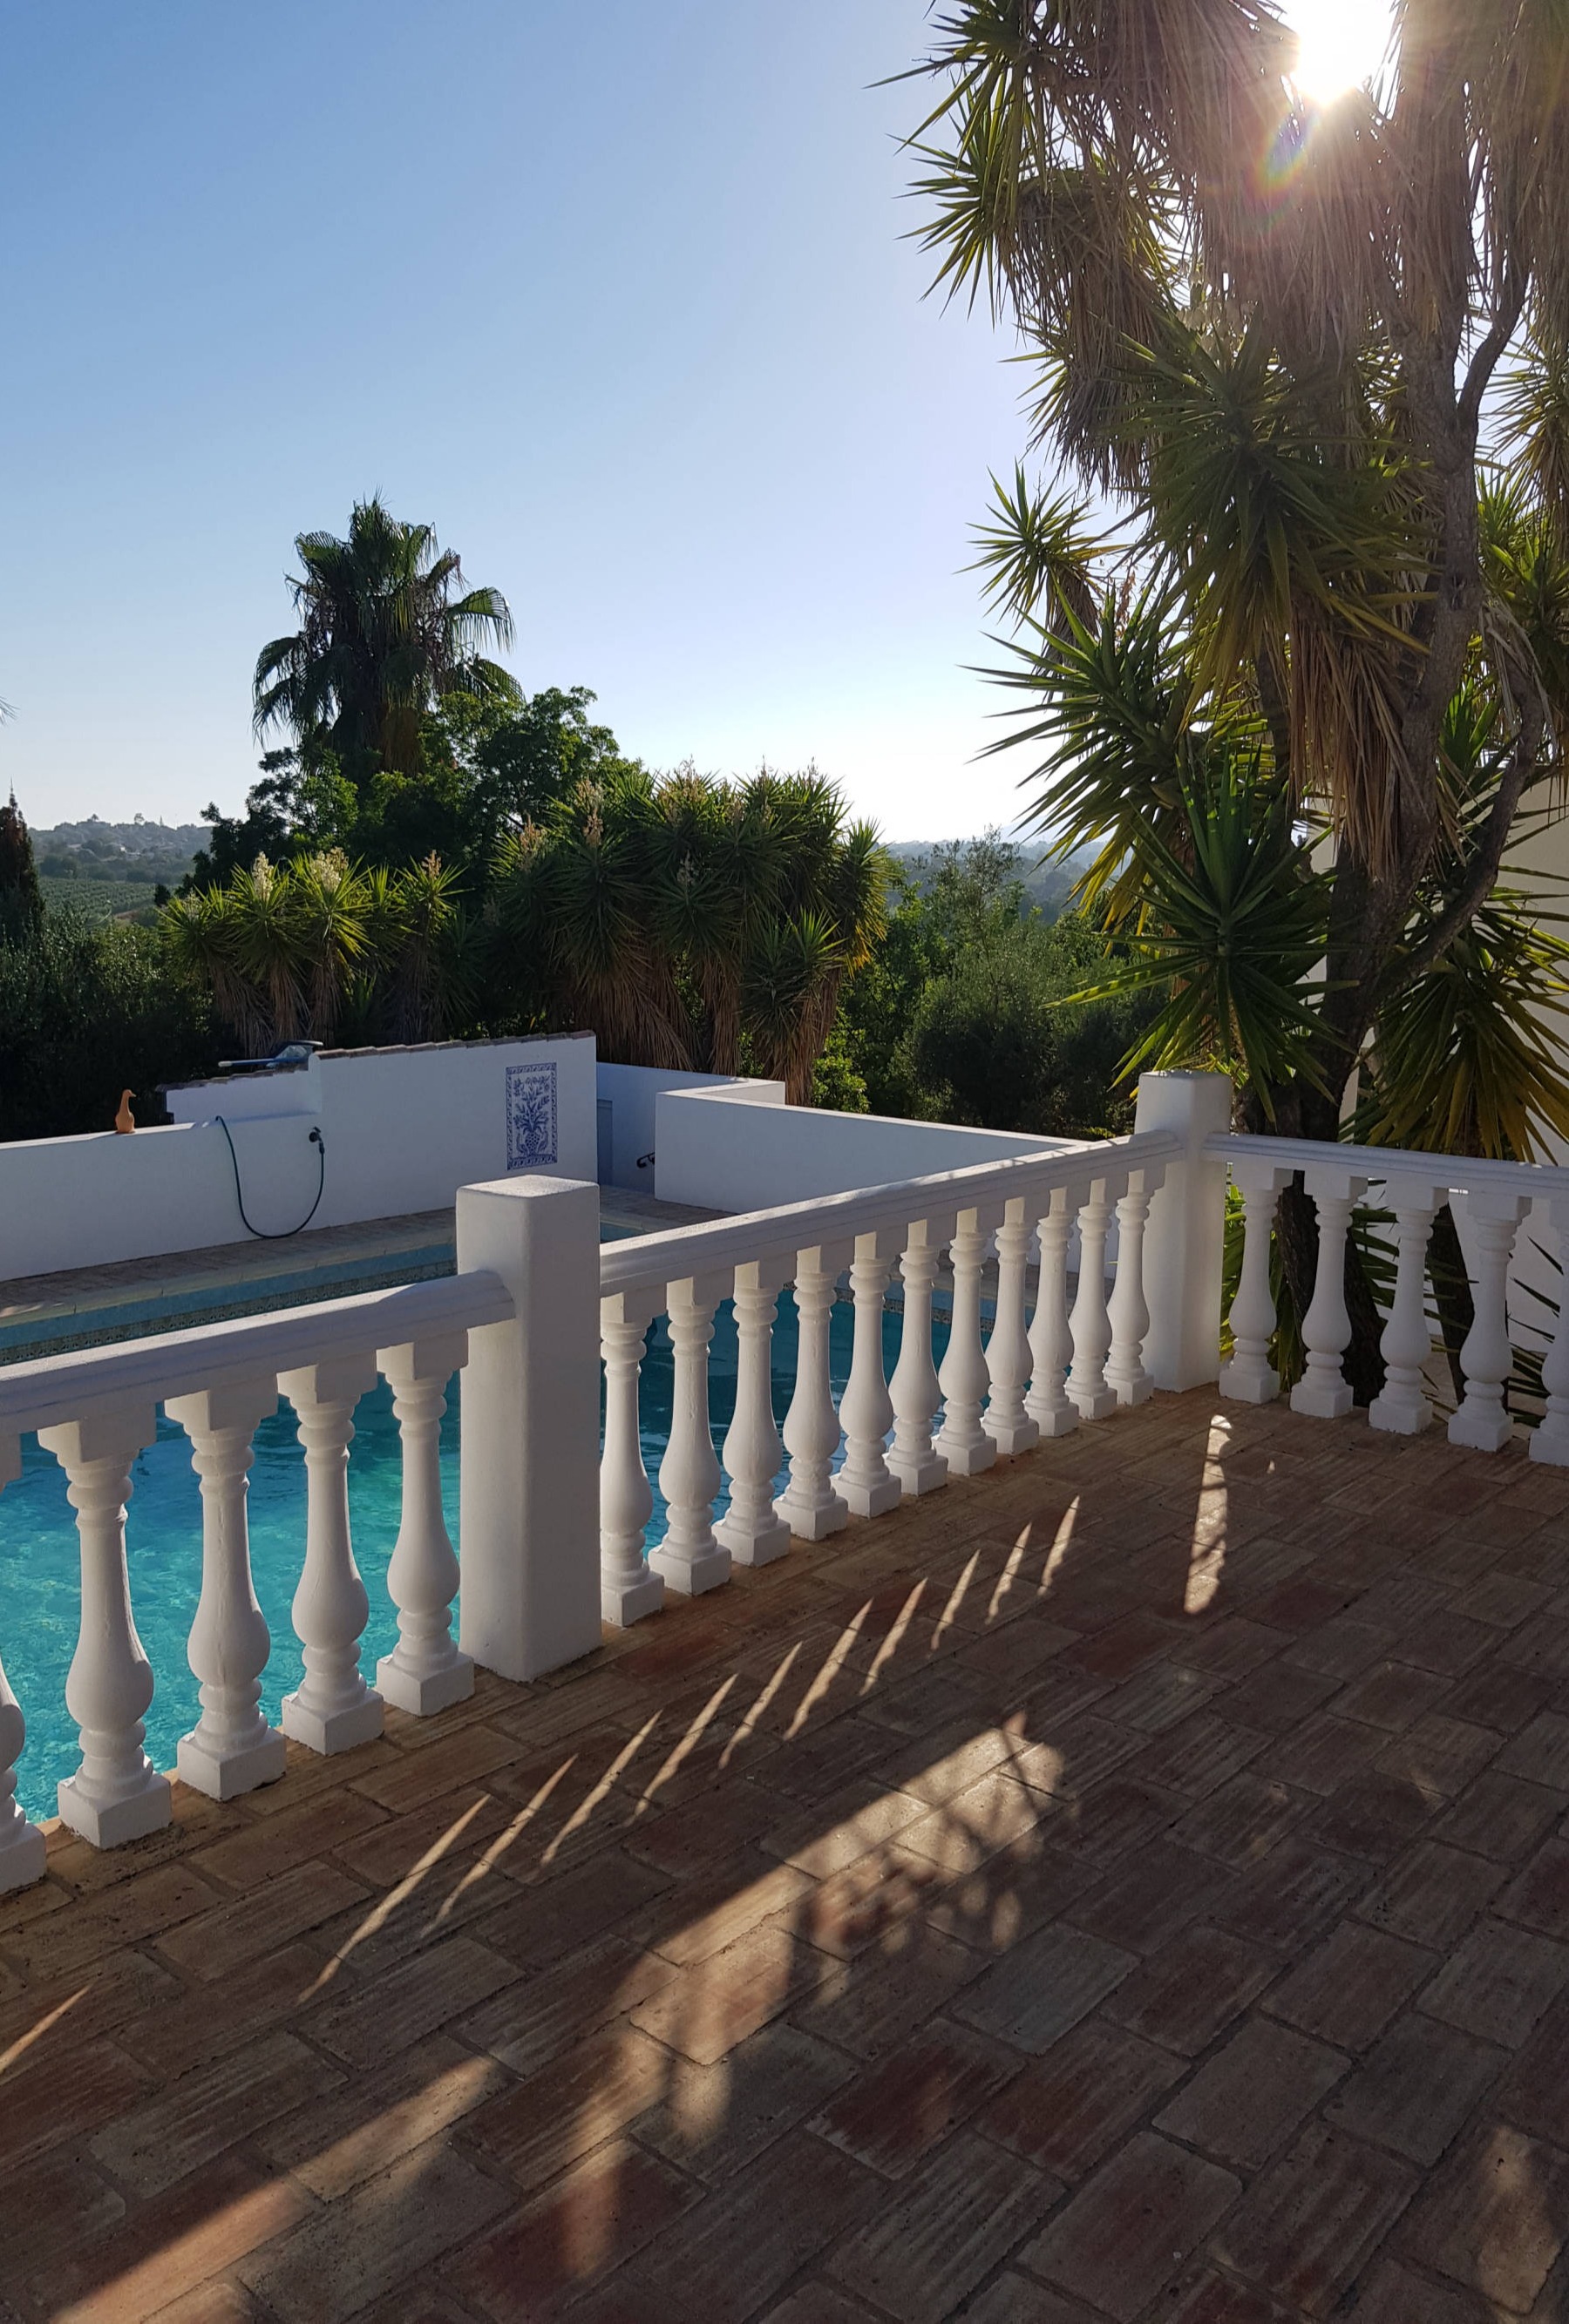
{"x":1129,"y":1887}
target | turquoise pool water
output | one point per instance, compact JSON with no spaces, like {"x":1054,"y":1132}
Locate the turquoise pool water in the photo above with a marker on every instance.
{"x":39,"y":1568}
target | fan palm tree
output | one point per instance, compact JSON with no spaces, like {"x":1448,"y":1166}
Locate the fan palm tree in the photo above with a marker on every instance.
{"x":386,"y":629}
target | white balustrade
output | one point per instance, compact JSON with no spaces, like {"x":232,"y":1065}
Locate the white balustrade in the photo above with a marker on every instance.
{"x":1007,"y":1423}
{"x":752,"y":1529}
{"x":1051,"y":1346}
{"x":1401,"y":1405}
{"x":22,"y":1850}
{"x":866,"y":1482}
{"x":232,"y":1748}
{"x":1250,"y":1377}
{"x":537,"y":1566}
{"x":95,"y":1412}
{"x":963,"y":1376}
{"x":1127,"y":1313}
{"x":810,"y":1505}
{"x":1550,"y":1440}
{"x":1486,"y":1357}
{"x":424,"y":1672}
{"x":117,"y":1793}
{"x":690,"y":1557}
{"x":914,"y":1389}
{"x":1090,"y":1322}
{"x":333,"y":1709}
{"x":629,"y":1589}
{"x":1324,"y":1392}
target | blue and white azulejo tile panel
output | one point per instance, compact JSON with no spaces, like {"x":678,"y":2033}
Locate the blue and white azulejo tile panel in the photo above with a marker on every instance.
{"x":530,"y":1117}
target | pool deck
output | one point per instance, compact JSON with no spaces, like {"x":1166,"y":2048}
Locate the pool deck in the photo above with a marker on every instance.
{"x":88,"y":1306}
{"x":1128,"y":1885}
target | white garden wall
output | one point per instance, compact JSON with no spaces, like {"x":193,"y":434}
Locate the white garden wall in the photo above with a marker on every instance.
{"x":403,"y":1128}
{"x":628,"y":1101}
{"x":749,"y":1156}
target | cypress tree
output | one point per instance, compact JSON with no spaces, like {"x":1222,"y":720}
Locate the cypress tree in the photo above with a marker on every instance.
{"x":21,"y":897}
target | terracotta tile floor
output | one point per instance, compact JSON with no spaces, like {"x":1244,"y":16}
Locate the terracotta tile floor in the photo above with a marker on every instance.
{"x":1129,"y":1885}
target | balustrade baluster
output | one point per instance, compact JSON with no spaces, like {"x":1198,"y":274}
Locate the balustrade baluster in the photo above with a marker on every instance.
{"x":1007,"y":1423}
{"x":1051,"y":1345}
{"x":117,"y":1793}
{"x":1250,"y":1377}
{"x":690,"y":1557}
{"x":1090,"y":1323}
{"x":964,"y":1376}
{"x":809,"y":1505}
{"x":628,"y":1589}
{"x":333,"y":1709}
{"x":1550,"y":1441}
{"x":1324,"y":1392}
{"x":751,"y":1530}
{"x":1401,"y":1405}
{"x":913,"y":1389}
{"x":1486,"y":1358}
{"x":231,"y":1749}
{"x":866,"y":1409}
{"x":424,"y":1672}
{"x":22,"y":1852}
{"x":1127,"y":1313}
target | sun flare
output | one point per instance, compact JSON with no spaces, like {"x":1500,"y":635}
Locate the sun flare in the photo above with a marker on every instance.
{"x":1341,"y":44}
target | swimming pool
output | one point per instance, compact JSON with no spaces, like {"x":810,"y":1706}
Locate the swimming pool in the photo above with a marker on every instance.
{"x":39,"y":1573}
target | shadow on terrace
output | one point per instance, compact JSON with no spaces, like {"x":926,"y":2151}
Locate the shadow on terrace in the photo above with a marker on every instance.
{"x":1122,"y":1887}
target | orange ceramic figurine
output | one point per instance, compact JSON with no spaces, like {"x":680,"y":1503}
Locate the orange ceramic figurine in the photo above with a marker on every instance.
{"x":125,"y":1120}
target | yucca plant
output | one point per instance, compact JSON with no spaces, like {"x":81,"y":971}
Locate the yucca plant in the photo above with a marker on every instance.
{"x":319,"y":948}
{"x":1229,"y":929}
{"x":692,"y":922}
{"x":793,"y":969}
{"x":1267,"y":334}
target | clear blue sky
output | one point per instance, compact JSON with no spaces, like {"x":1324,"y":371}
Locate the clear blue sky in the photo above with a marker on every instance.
{"x":614,"y":295}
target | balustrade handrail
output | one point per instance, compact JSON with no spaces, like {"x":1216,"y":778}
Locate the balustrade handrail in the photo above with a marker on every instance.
{"x":642,"y":1263}
{"x":52,"y":1391}
{"x":1461,"y":1173}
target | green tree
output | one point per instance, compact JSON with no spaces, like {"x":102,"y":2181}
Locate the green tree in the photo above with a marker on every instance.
{"x":86,"y":1012}
{"x":386,"y":629}
{"x":966,"y":1011}
{"x":21,"y":897}
{"x":486,"y":768}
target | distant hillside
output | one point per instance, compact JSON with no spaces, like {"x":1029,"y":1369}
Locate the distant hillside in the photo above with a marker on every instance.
{"x":138,"y":855}
{"x":1046,"y":885}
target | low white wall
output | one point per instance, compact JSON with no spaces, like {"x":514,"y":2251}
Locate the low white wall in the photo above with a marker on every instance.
{"x":631,"y":1094}
{"x":403,"y":1128}
{"x":746,"y":1156}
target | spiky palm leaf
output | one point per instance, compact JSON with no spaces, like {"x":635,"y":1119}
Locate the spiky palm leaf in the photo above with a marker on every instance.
{"x":1232,"y":928}
{"x":1037,"y":559}
{"x":1110,"y":708}
{"x":794,"y":964}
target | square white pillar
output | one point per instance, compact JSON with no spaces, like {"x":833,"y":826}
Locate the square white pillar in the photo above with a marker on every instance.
{"x":529,"y":1529}
{"x":1184,"y":1241}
